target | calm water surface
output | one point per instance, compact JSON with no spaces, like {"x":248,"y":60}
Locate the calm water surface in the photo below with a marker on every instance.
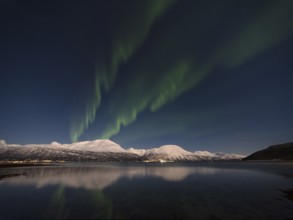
{"x":205,"y":190}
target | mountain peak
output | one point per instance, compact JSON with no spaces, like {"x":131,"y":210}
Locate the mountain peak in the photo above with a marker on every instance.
{"x":104,"y":145}
{"x":55,"y":143}
{"x":169,"y":153}
{"x":140,"y":152}
{"x":170,"y":149}
{"x":2,"y":142}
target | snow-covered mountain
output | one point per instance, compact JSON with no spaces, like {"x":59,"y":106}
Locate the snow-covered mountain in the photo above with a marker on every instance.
{"x":100,"y":150}
{"x":139,"y":152}
{"x":223,"y":156}
{"x":93,"y":146}
{"x":105,"y":150}
{"x":206,"y":155}
{"x":2,"y":143}
{"x":176,"y":153}
{"x":165,"y":153}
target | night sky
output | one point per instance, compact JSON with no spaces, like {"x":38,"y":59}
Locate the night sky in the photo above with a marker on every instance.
{"x":205,"y":75}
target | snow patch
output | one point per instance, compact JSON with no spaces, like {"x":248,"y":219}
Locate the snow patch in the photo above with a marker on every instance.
{"x":96,"y":146}
{"x":3,"y":143}
{"x":173,"y":150}
{"x":55,"y":143}
{"x":139,"y":152}
{"x":204,"y":153}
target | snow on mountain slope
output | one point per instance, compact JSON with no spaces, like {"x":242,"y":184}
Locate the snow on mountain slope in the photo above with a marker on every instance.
{"x":170,"y":153}
{"x":139,"y":152}
{"x":223,"y":156}
{"x":55,"y":143}
{"x":2,"y":143}
{"x":204,"y":154}
{"x":176,"y":153}
{"x":173,"y":150}
{"x":102,"y":149}
{"x":95,"y":146}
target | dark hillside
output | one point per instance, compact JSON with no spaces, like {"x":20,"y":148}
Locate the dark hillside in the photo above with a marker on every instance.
{"x":274,"y":152}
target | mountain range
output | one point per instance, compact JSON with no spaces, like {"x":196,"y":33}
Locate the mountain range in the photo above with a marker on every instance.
{"x":105,"y":150}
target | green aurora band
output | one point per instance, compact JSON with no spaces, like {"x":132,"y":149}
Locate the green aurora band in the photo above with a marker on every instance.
{"x":125,"y":43}
{"x":184,"y":72}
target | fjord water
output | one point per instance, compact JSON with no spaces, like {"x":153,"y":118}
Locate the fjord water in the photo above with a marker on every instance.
{"x":203,"y":190}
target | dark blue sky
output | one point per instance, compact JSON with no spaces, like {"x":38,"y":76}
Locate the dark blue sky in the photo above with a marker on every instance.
{"x":205,"y":75}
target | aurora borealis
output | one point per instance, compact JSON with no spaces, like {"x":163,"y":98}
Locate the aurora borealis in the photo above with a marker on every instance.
{"x":213,"y":75}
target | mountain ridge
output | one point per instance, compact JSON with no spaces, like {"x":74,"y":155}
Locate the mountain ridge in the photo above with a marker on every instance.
{"x":274,"y":152}
{"x":105,"y":150}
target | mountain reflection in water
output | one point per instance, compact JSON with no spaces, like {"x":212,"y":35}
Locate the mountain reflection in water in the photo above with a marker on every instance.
{"x":102,"y":176}
{"x":138,"y":190}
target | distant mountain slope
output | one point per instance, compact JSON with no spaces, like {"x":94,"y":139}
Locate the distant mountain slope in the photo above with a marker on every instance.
{"x":170,"y":153}
{"x":45,"y":152}
{"x":94,"y":146}
{"x":274,"y":152}
{"x":177,"y":153}
{"x":105,"y":150}
{"x":2,"y":143}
